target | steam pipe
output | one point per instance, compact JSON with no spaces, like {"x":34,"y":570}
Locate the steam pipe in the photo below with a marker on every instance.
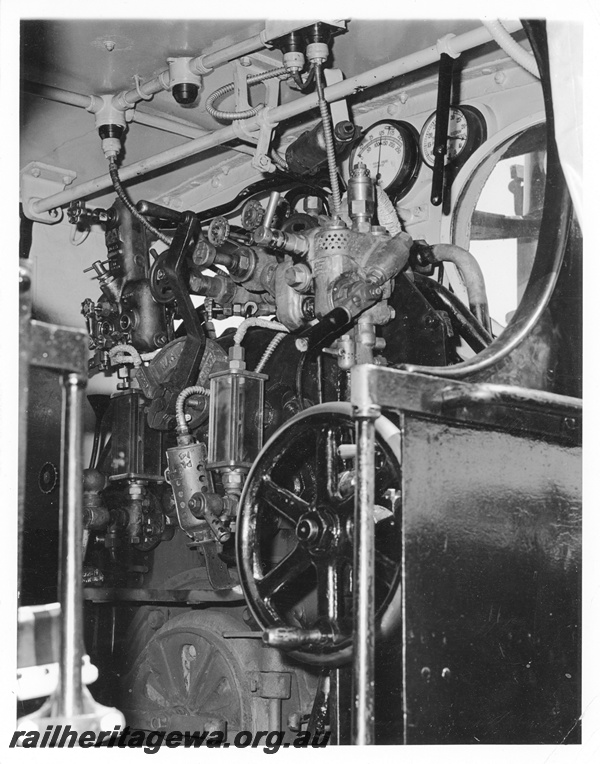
{"x":202,"y":64}
{"x":276,"y":115}
{"x":552,"y":244}
{"x":149,"y":120}
{"x":472,"y":275}
{"x":511,"y":47}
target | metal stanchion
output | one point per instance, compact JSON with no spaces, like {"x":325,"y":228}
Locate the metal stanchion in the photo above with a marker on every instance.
{"x":69,"y":700}
{"x":65,"y":351}
{"x":363,"y":682}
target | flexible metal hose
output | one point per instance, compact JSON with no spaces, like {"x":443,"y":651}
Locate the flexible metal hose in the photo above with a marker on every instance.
{"x":254,"y":79}
{"x":180,"y":403}
{"x":263,"y":323}
{"x":511,"y":47}
{"x":329,"y":143}
{"x":278,"y":161}
{"x":271,"y":347}
{"x":386,"y":213}
{"x":114,"y":176}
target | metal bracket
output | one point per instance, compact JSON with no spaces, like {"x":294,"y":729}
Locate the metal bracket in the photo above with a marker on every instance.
{"x":275,"y":29}
{"x":339,"y":109}
{"x":39,"y":180}
{"x":216,"y":569}
{"x":261,"y":137}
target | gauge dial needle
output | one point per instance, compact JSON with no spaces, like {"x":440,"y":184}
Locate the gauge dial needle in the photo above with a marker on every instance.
{"x":377,"y":176}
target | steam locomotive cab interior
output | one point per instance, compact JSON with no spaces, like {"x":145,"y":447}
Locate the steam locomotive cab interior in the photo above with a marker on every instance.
{"x":301,"y":378}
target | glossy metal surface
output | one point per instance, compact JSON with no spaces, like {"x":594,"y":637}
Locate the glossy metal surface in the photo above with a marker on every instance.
{"x":492,"y":586}
{"x":363,"y":666}
{"x":69,"y":700}
{"x":491,"y":510}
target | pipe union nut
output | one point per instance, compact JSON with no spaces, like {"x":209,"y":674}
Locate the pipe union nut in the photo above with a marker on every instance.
{"x":317,"y":52}
{"x":294,"y":59}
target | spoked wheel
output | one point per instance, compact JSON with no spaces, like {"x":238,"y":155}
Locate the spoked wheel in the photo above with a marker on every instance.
{"x":188,"y":676}
{"x":295,"y":530}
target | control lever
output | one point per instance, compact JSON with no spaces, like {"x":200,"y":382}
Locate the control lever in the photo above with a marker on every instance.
{"x":324,"y":331}
{"x":264,"y":236}
{"x":288,"y":638}
{"x":442,"y":118}
{"x":158,"y":211}
{"x":168,"y":285}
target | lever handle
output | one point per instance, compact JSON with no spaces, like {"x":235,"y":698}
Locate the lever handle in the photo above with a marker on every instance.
{"x":271,"y":209}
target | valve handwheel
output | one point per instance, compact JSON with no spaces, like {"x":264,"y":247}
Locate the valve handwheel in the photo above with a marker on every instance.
{"x":295,"y":531}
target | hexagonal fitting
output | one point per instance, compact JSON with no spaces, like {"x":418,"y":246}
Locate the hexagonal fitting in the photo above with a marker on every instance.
{"x":299,"y":277}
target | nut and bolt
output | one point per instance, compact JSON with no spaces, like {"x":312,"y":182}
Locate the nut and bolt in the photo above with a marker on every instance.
{"x":156,"y":619}
{"x":294,"y":722}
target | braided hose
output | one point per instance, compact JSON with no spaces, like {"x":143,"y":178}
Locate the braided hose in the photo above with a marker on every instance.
{"x":328,"y":134}
{"x":271,"y":347}
{"x":125,"y":354}
{"x":180,"y":403}
{"x":263,"y":323}
{"x":114,"y":176}
{"x":279,"y":162}
{"x":233,"y":115}
{"x":387,"y":215}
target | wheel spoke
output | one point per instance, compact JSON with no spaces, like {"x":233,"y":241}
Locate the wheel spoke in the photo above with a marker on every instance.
{"x":284,"y":502}
{"x":296,"y":562}
{"x":330,"y":586}
{"x":386,"y":566}
{"x":202,"y":667}
{"x":326,"y":474}
{"x":166,"y":673}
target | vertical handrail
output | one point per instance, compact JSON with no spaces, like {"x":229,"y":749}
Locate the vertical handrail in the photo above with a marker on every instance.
{"x":70,"y":699}
{"x":363,"y":669}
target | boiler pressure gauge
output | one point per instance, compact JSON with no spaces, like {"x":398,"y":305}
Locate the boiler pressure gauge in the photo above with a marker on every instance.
{"x":466,"y":132}
{"x":390,"y":151}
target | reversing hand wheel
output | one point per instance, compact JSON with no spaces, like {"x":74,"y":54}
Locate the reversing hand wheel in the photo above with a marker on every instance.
{"x":295,"y":531}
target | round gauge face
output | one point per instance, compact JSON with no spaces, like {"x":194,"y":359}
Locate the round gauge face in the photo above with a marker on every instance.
{"x":466,"y":131}
{"x":389,"y":150}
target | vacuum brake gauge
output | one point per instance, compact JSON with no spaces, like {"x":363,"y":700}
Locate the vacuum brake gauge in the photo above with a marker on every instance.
{"x":466,"y":132}
{"x":390,"y":151}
